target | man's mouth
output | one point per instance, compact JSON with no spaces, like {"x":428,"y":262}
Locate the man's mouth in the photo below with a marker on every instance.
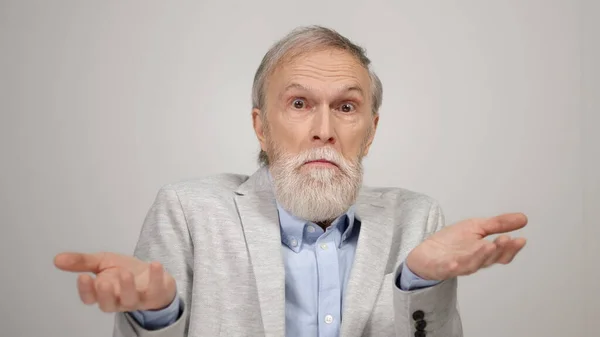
{"x":321,"y":163}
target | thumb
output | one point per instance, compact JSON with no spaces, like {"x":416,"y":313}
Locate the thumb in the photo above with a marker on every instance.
{"x":78,"y":262}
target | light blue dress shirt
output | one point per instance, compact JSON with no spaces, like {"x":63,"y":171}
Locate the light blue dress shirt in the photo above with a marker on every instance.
{"x":317,"y":267}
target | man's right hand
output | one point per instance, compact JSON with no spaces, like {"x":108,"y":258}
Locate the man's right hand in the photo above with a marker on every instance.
{"x":122,"y":283}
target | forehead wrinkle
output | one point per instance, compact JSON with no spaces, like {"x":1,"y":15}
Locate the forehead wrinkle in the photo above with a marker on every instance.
{"x":318,"y":70}
{"x":349,"y":87}
{"x":347,"y":72}
{"x":299,"y":66}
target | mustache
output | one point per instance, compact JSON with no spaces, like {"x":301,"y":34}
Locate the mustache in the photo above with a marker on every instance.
{"x":290,"y":162}
{"x":329,"y":154}
{"x":322,"y":153}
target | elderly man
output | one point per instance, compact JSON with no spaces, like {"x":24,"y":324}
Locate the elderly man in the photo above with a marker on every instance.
{"x":300,"y":248}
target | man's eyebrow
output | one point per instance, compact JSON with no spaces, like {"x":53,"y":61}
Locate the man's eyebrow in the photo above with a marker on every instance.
{"x":345,"y":88}
{"x":294,"y":85}
{"x":353,"y":87}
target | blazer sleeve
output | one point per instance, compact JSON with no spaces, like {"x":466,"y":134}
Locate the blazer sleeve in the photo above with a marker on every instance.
{"x":165,"y":238}
{"x":432,"y":311}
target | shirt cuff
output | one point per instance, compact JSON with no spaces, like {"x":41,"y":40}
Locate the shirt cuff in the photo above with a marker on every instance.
{"x":158,"y":319}
{"x":407,"y":280}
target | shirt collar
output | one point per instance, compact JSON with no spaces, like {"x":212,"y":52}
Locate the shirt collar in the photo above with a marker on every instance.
{"x":293,"y":228}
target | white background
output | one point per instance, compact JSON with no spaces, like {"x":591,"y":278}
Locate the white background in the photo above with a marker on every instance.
{"x":489,"y":107}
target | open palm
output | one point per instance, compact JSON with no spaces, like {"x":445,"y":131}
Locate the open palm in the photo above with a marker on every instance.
{"x":461,"y":249}
{"x":122,"y":283}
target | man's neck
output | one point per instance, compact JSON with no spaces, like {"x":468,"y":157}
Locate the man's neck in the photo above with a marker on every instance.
{"x":324,"y":224}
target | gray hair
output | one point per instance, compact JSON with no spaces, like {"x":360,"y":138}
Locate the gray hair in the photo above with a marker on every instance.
{"x":297,"y":42}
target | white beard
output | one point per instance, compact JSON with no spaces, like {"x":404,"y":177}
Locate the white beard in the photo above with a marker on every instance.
{"x":314,"y":193}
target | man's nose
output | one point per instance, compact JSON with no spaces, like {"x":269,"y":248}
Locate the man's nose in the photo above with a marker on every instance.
{"x":323,"y":130}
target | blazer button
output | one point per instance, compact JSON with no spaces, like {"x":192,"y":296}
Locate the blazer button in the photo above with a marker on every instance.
{"x":418,"y":315}
{"x":420,"y":334}
{"x":420,"y":325}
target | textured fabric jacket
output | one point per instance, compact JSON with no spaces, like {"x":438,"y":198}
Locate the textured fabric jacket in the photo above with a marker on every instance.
{"x":220,"y":238}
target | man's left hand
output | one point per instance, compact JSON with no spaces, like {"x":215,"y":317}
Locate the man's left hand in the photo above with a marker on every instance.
{"x":461,"y":249}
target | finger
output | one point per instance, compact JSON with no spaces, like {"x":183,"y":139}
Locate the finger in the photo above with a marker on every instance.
{"x":504,"y":223}
{"x":129,"y":297}
{"x":155,"y":282}
{"x":474,"y":261}
{"x":78,"y":262}
{"x":500,"y":242}
{"x":512,"y":249}
{"x":106,"y":296}
{"x":85,"y":287}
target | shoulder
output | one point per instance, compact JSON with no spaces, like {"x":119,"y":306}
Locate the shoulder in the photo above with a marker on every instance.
{"x":410,"y":210}
{"x":210,"y":186}
{"x":401,"y":197}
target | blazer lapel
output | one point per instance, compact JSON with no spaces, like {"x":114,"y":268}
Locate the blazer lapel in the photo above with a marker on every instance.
{"x":258,"y":213}
{"x":369,"y":267}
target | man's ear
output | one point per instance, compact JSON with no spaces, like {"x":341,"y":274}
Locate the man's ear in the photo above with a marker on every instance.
{"x":259,"y":130}
{"x":375,"y":122}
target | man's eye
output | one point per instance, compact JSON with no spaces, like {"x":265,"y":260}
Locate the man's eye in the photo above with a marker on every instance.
{"x":347,"y":107}
{"x":299,"y":104}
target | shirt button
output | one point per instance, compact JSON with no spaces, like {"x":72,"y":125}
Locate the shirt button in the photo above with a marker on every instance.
{"x":311,"y":229}
{"x":294,"y":242}
{"x":328,"y":319}
{"x":324,"y":246}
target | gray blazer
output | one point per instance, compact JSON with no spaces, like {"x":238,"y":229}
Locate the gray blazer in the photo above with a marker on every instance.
{"x":219,"y":237}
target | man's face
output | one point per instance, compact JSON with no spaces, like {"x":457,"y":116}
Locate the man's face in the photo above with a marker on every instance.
{"x":318,"y":126}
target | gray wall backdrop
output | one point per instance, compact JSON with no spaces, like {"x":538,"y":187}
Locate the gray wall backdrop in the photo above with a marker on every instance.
{"x":489,"y":107}
{"x":590,"y":143}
